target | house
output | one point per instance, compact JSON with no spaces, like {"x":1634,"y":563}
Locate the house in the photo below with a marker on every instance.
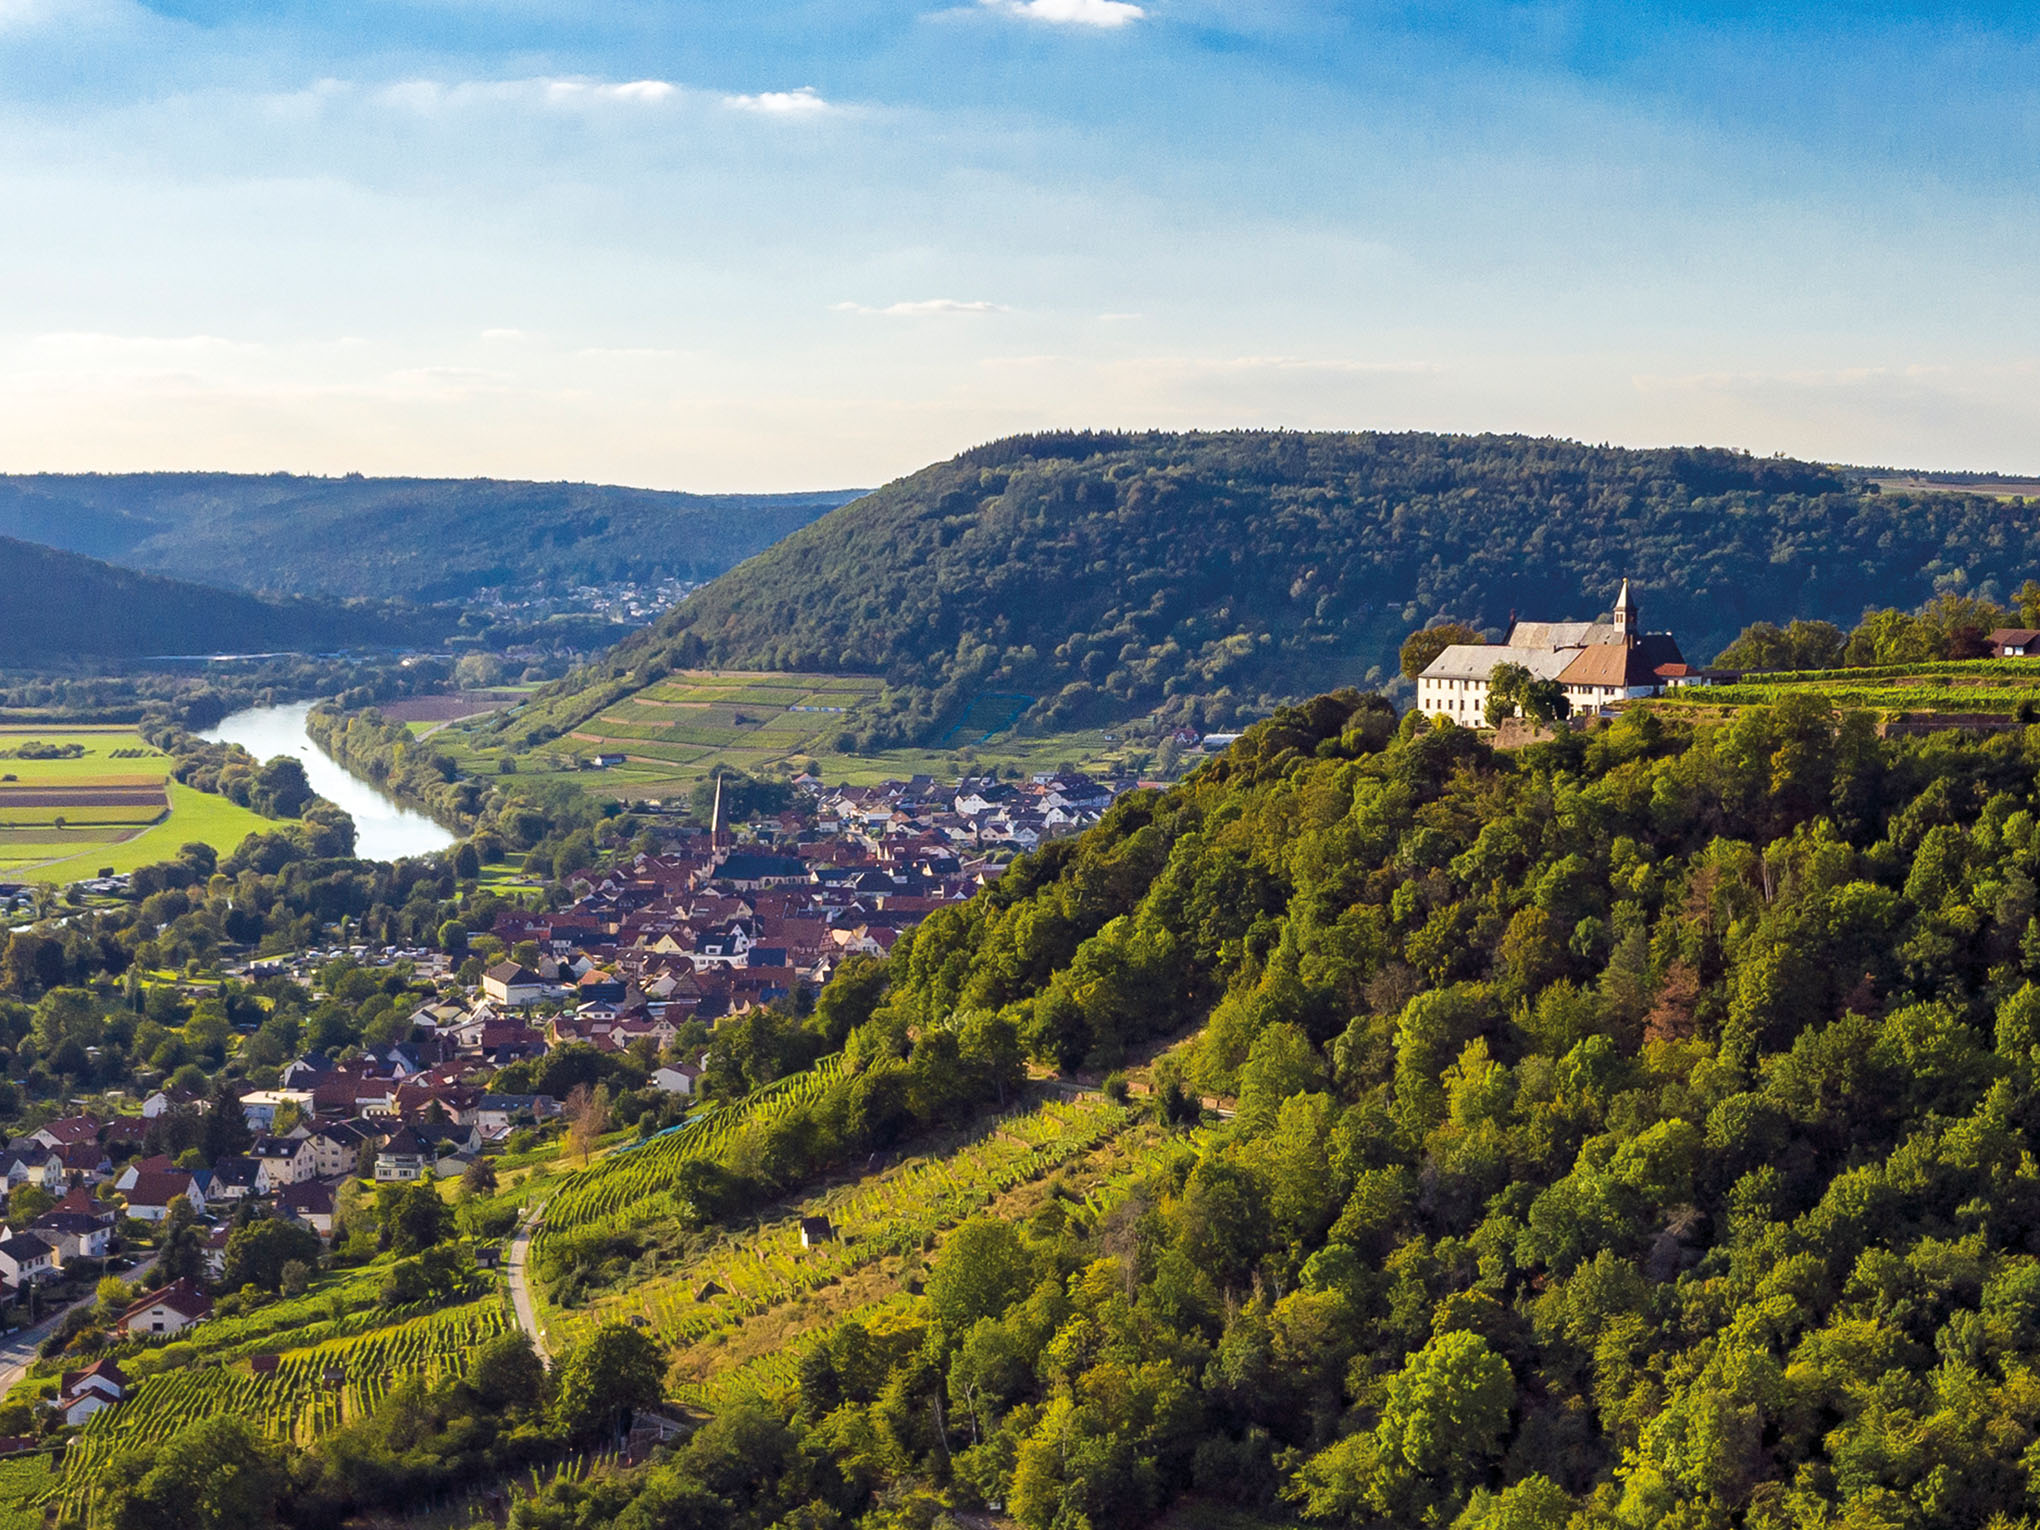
{"x":1594,"y":663}
{"x":171,"y":1310}
{"x":336,"y":1147}
{"x":230,"y":1180}
{"x":281,"y":1161}
{"x":2014,"y":643}
{"x":310,"y":1203}
{"x":35,"y":1165}
{"x":80,"y":1394}
{"x":134,"y":1170}
{"x":495,"y":1114}
{"x":216,"y":1251}
{"x":404,"y":1157}
{"x":79,"y":1202}
{"x":676,"y":1080}
{"x":163,"y":1101}
{"x":261,"y":1105}
{"x":815,"y":1231}
{"x":149,"y":1197}
{"x":512,"y":984}
{"x":73,"y":1235}
{"x":26,"y":1259}
{"x":84,"y":1163}
{"x":68,"y":1132}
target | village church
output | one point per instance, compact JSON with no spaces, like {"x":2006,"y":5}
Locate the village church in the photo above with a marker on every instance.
{"x":1596,"y":662}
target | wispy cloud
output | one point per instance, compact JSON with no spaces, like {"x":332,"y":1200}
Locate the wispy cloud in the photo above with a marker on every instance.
{"x":506,"y":336}
{"x":923,"y":308}
{"x":804,"y":102}
{"x":429,"y":96}
{"x":1071,"y":13}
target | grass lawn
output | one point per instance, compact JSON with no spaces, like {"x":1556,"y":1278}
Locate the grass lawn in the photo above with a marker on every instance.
{"x":101,"y":833}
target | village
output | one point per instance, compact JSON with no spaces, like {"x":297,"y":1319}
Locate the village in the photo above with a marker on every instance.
{"x":633,"y":974}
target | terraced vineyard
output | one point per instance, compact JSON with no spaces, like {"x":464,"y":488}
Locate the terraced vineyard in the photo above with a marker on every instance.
{"x":1977,"y":687}
{"x":746,"y":719}
{"x":312,"y":1391}
{"x":634,"y":1186}
{"x":24,"y":1482}
{"x":893,"y":1214}
{"x":760,"y":1356}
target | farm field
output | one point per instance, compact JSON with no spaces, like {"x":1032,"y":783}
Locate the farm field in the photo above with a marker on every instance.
{"x":681,"y":729}
{"x":113,"y":806}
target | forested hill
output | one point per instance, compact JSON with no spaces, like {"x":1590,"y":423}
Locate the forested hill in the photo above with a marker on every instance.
{"x":58,"y":605}
{"x":1641,"y":1126}
{"x":1104,"y":573}
{"x":416,"y":539}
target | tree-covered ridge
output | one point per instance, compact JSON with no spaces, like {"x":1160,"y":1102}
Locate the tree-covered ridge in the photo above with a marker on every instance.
{"x":1107,"y":575}
{"x":58,"y":605}
{"x":418,"y":539}
{"x":1639,"y":1127}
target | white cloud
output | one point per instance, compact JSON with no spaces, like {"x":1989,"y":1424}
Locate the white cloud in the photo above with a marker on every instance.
{"x":510,"y":336}
{"x":1071,"y":13}
{"x":429,"y":96}
{"x":923,"y":308}
{"x":804,"y":102}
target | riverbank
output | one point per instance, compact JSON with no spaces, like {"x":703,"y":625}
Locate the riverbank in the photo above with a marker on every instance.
{"x":384,"y":828}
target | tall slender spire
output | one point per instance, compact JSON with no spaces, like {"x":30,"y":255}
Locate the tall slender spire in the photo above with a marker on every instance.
{"x":1625,"y":613}
{"x":715,"y":821}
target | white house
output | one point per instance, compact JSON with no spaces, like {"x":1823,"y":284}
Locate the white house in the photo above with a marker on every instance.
{"x":260,"y":1105}
{"x":149,"y":1196}
{"x":281,"y":1161}
{"x":680,"y":1080}
{"x":511,"y":984}
{"x":83,"y":1393}
{"x":73,"y":1235}
{"x":403,"y":1158}
{"x":1594,"y":662}
{"x":171,"y":1310}
{"x":25,"y":1259}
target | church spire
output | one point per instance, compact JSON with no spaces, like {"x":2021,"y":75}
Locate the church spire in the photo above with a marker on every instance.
{"x":1625,"y":613}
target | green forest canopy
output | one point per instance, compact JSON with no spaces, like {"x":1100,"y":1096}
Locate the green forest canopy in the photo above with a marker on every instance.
{"x":58,"y":605}
{"x":1640,"y":1127}
{"x":1217,"y":574}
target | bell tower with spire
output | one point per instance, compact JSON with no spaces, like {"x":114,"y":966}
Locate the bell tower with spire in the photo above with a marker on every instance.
{"x":1624,"y":619}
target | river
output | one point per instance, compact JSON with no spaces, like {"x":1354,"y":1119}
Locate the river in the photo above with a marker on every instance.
{"x":383,"y":830}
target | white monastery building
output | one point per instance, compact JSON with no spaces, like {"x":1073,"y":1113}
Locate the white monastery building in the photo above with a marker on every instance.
{"x":1596,"y":662}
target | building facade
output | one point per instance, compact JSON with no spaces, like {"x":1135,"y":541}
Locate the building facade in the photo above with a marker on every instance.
{"x":1595,"y":662}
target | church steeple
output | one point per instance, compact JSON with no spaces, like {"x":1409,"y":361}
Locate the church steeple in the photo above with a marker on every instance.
{"x":1625,"y":614}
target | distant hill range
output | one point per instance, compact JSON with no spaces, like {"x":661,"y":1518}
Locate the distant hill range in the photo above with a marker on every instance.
{"x":59,"y":605}
{"x":1106,"y":575}
{"x":417,"y":539}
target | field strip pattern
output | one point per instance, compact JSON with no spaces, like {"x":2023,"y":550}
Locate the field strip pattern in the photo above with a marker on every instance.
{"x":896,"y":1213}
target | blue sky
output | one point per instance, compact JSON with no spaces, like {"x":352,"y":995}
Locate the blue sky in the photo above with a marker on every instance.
{"x":793,"y":245}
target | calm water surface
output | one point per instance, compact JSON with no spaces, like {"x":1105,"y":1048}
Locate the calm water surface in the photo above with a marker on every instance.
{"x":383,"y":831}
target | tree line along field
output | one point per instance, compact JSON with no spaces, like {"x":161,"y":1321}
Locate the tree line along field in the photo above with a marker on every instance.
{"x":112,"y":805}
